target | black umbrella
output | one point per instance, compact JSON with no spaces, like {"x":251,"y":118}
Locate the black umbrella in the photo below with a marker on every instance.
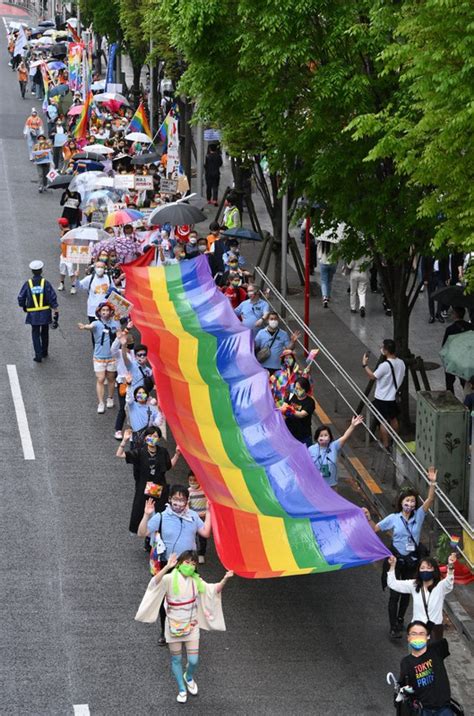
{"x":89,"y":155}
{"x":59,"y":50}
{"x":454,"y":296}
{"x":243,"y":234}
{"x":58,"y":90}
{"x":47,"y":23}
{"x":177,"y":214}
{"x":146,"y":158}
{"x":60,"y":181}
{"x":124,"y":159}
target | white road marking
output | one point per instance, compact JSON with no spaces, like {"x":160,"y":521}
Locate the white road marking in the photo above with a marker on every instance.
{"x":81,"y":710}
{"x":22,"y":420}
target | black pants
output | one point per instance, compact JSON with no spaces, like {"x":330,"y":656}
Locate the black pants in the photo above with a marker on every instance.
{"x":397,"y":607}
{"x":40,"y":335}
{"x":434,"y":282}
{"x":202,"y":545}
{"x":212,"y":187}
{"x":22,"y":87}
{"x":450,"y":380}
{"x":120,"y":419}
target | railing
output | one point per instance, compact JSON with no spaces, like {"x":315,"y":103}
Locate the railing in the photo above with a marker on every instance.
{"x":371,"y":410}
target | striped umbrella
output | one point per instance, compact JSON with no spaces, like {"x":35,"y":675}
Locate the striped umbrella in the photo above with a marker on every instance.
{"x":122,"y":216}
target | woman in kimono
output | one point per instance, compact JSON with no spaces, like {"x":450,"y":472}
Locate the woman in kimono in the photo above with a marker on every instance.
{"x":191,"y":604}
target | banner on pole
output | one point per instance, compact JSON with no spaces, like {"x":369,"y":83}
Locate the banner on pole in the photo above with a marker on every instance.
{"x":109,"y":77}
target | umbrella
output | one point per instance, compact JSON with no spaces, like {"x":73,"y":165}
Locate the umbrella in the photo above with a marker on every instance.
{"x":98,"y":86}
{"x":46,"y":41}
{"x":121,"y":217}
{"x":122,"y":158}
{"x":51,"y":31}
{"x":88,"y":181}
{"x":139,"y":137}
{"x":47,"y":23}
{"x":177,"y":214}
{"x":84,"y":235}
{"x":243,"y":234}
{"x":56,"y":65}
{"x":75,"y":109}
{"x":36,"y":31}
{"x":333,"y":236}
{"x":58,"y":90}
{"x":124,"y":247}
{"x":87,"y":165}
{"x":457,"y":354}
{"x":98,"y":149}
{"x":149,"y":158}
{"x":111,"y":97}
{"x":454,"y":296}
{"x":88,"y":155}
{"x":61,"y":181}
{"x":59,"y":49}
{"x":101,"y":199}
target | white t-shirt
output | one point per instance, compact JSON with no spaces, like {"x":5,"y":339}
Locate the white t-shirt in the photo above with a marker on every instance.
{"x":97,"y":288}
{"x":434,"y":599}
{"x":385,"y":387}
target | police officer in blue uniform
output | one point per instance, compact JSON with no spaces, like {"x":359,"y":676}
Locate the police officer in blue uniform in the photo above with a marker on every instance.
{"x":39,"y":301}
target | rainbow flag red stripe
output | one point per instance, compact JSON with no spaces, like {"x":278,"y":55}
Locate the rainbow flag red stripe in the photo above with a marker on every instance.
{"x":273,"y":514}
{"x":139,"y":121}
{"x":82,"y":127}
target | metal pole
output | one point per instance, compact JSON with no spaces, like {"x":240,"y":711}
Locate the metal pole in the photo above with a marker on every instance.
{"x":151,"y":100}
{"x":199,"y":157}
{"x":284,"y":244}
{"x":78,"y":18}
{"x":307,"y":261}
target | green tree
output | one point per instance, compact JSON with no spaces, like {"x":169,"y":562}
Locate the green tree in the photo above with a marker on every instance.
{"x":131,"y":14}
{"x":428,"y":131}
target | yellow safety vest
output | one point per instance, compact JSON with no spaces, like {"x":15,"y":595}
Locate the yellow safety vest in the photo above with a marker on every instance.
{"x":37,"y":294}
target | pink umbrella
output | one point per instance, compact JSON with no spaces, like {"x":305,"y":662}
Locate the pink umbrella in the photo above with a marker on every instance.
{"x":76,"y":109}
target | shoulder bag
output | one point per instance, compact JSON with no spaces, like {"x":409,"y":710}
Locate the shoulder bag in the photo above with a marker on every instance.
{"x":264,"y":352}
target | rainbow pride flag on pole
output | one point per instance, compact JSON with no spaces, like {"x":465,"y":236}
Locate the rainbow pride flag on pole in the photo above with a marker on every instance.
{"x":139,"y":121}
{"x":81,"y":128}
{"x":272,"y":512}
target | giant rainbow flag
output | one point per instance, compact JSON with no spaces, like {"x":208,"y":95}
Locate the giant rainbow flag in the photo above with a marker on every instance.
{"x":272,"y":513}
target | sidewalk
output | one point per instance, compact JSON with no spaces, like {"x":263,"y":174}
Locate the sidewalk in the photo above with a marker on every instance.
{"x":365,"y":469}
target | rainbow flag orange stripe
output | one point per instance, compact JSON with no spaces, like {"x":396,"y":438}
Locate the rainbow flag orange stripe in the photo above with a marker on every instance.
{"x":273,"y":514}
{"x":82,"y":127}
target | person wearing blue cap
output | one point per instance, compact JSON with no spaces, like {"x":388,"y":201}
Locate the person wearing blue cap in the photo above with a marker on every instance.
{"x":38,"y":300}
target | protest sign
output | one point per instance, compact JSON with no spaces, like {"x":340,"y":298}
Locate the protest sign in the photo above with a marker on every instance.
{"x":143,"y":182}
{"x":78,"y":254}
{"x":168,"y":186}
{"x":121,"y":305}
{"x":124,"y":181}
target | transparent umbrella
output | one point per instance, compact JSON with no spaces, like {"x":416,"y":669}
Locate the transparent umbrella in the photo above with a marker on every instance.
{"x":88,"y":181}
{"x":457,"y":355}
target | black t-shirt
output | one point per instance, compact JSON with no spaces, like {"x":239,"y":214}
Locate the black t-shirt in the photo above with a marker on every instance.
{"x":426,"y":674}
{"x":300,"y":428}
{"x":150,"y":468}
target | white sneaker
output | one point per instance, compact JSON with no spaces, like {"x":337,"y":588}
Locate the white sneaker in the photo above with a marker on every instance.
{"x":61,"y":286}
{"x":101,"y":408}
{"x":191,"y":686}
{"x":110,"y":402}
{"x":118,"y":435}
{"x":182,"y":697}
{"x":201,"y":559}
{"x":73,"y":290}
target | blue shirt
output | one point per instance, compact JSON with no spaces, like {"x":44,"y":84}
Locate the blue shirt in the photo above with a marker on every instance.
{"x":137,"y":375}
{"x":142,"y":415}
{"x":25,"y":300}
{"x":404,"y":532}
{"x":178,"y":532}
{"x":103,"y":332}
{"x":325,"y":459}
{"x":250,"y":312}
{"x":282,"y":341}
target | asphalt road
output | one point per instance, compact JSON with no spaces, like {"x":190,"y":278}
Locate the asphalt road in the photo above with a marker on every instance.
{"x":72,"y":576}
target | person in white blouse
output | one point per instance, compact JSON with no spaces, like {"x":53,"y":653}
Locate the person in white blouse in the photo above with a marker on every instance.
{"x":428,"y":591}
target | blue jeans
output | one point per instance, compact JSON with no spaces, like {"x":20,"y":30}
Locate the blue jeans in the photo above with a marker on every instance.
{"x":327,"y":275}
{"x":443,"y":711}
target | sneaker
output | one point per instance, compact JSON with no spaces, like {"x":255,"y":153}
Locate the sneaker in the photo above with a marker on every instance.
{"x":182,"y":697}
{"x":101,"y":408}
{"x":444,"y":314}
{"x":431,"y":319}
{"x":162,"y":640}
{"x":118,"y":435}
{"x":73,"y":290}
{"x":61,"y":286}
{"x":110,"y":402}
{"x":439,"y":318}
{"x":362,"y":312}
{"x":191,"y":685}
{"x":353,"y":310}
{"x":201,"y":559}
{"x":325,"y":303}
{"x":395,"y":634}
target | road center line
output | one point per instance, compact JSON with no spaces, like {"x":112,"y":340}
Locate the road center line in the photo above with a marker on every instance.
{"x":22,"y":420}
{"x":81,"y":710}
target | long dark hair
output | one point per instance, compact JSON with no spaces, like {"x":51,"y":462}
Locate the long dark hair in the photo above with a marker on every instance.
{"x":436,"y":573}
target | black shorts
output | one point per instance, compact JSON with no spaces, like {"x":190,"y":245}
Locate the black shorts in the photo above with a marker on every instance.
{"x":387,"y":408}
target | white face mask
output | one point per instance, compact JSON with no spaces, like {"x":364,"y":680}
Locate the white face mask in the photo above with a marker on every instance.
{"x":192,"y":240}
{"x":273,"y":324}
{"x":100,"y":272}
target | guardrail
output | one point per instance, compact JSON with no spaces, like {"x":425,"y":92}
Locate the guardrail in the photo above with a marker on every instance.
{"x":371,"y":410}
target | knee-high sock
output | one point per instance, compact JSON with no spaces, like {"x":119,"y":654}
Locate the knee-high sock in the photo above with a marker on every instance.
{"x":177,"y":669}
{"x":193,"y":659}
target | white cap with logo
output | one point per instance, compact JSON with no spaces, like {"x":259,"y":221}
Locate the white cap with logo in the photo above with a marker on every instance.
{"x":36,"y":265}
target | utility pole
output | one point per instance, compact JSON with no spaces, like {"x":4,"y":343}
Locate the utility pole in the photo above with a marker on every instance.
{"x":151,"y":100}
{"x":199,"y":157}
{"x":284,"y":244}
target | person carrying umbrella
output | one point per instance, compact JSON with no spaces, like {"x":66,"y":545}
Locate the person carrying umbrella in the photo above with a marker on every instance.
{"x":212,"y":171}
{"x":43,"y":158}
{"x":459,"y":325}
{"x":71,"y":201}
{"x":65,"y":266}
{"x":38,"y":300}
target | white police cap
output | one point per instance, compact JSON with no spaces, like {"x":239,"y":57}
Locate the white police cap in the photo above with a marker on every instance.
{"x":36,"y":265}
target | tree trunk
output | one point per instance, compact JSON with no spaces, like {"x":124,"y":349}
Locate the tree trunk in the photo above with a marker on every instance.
{"x":137,"y":70}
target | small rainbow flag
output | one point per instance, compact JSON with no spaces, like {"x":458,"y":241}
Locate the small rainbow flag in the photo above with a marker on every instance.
{"x":454,"y":541}
{"x":139,"y":121}
{"x":82,"y":126}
